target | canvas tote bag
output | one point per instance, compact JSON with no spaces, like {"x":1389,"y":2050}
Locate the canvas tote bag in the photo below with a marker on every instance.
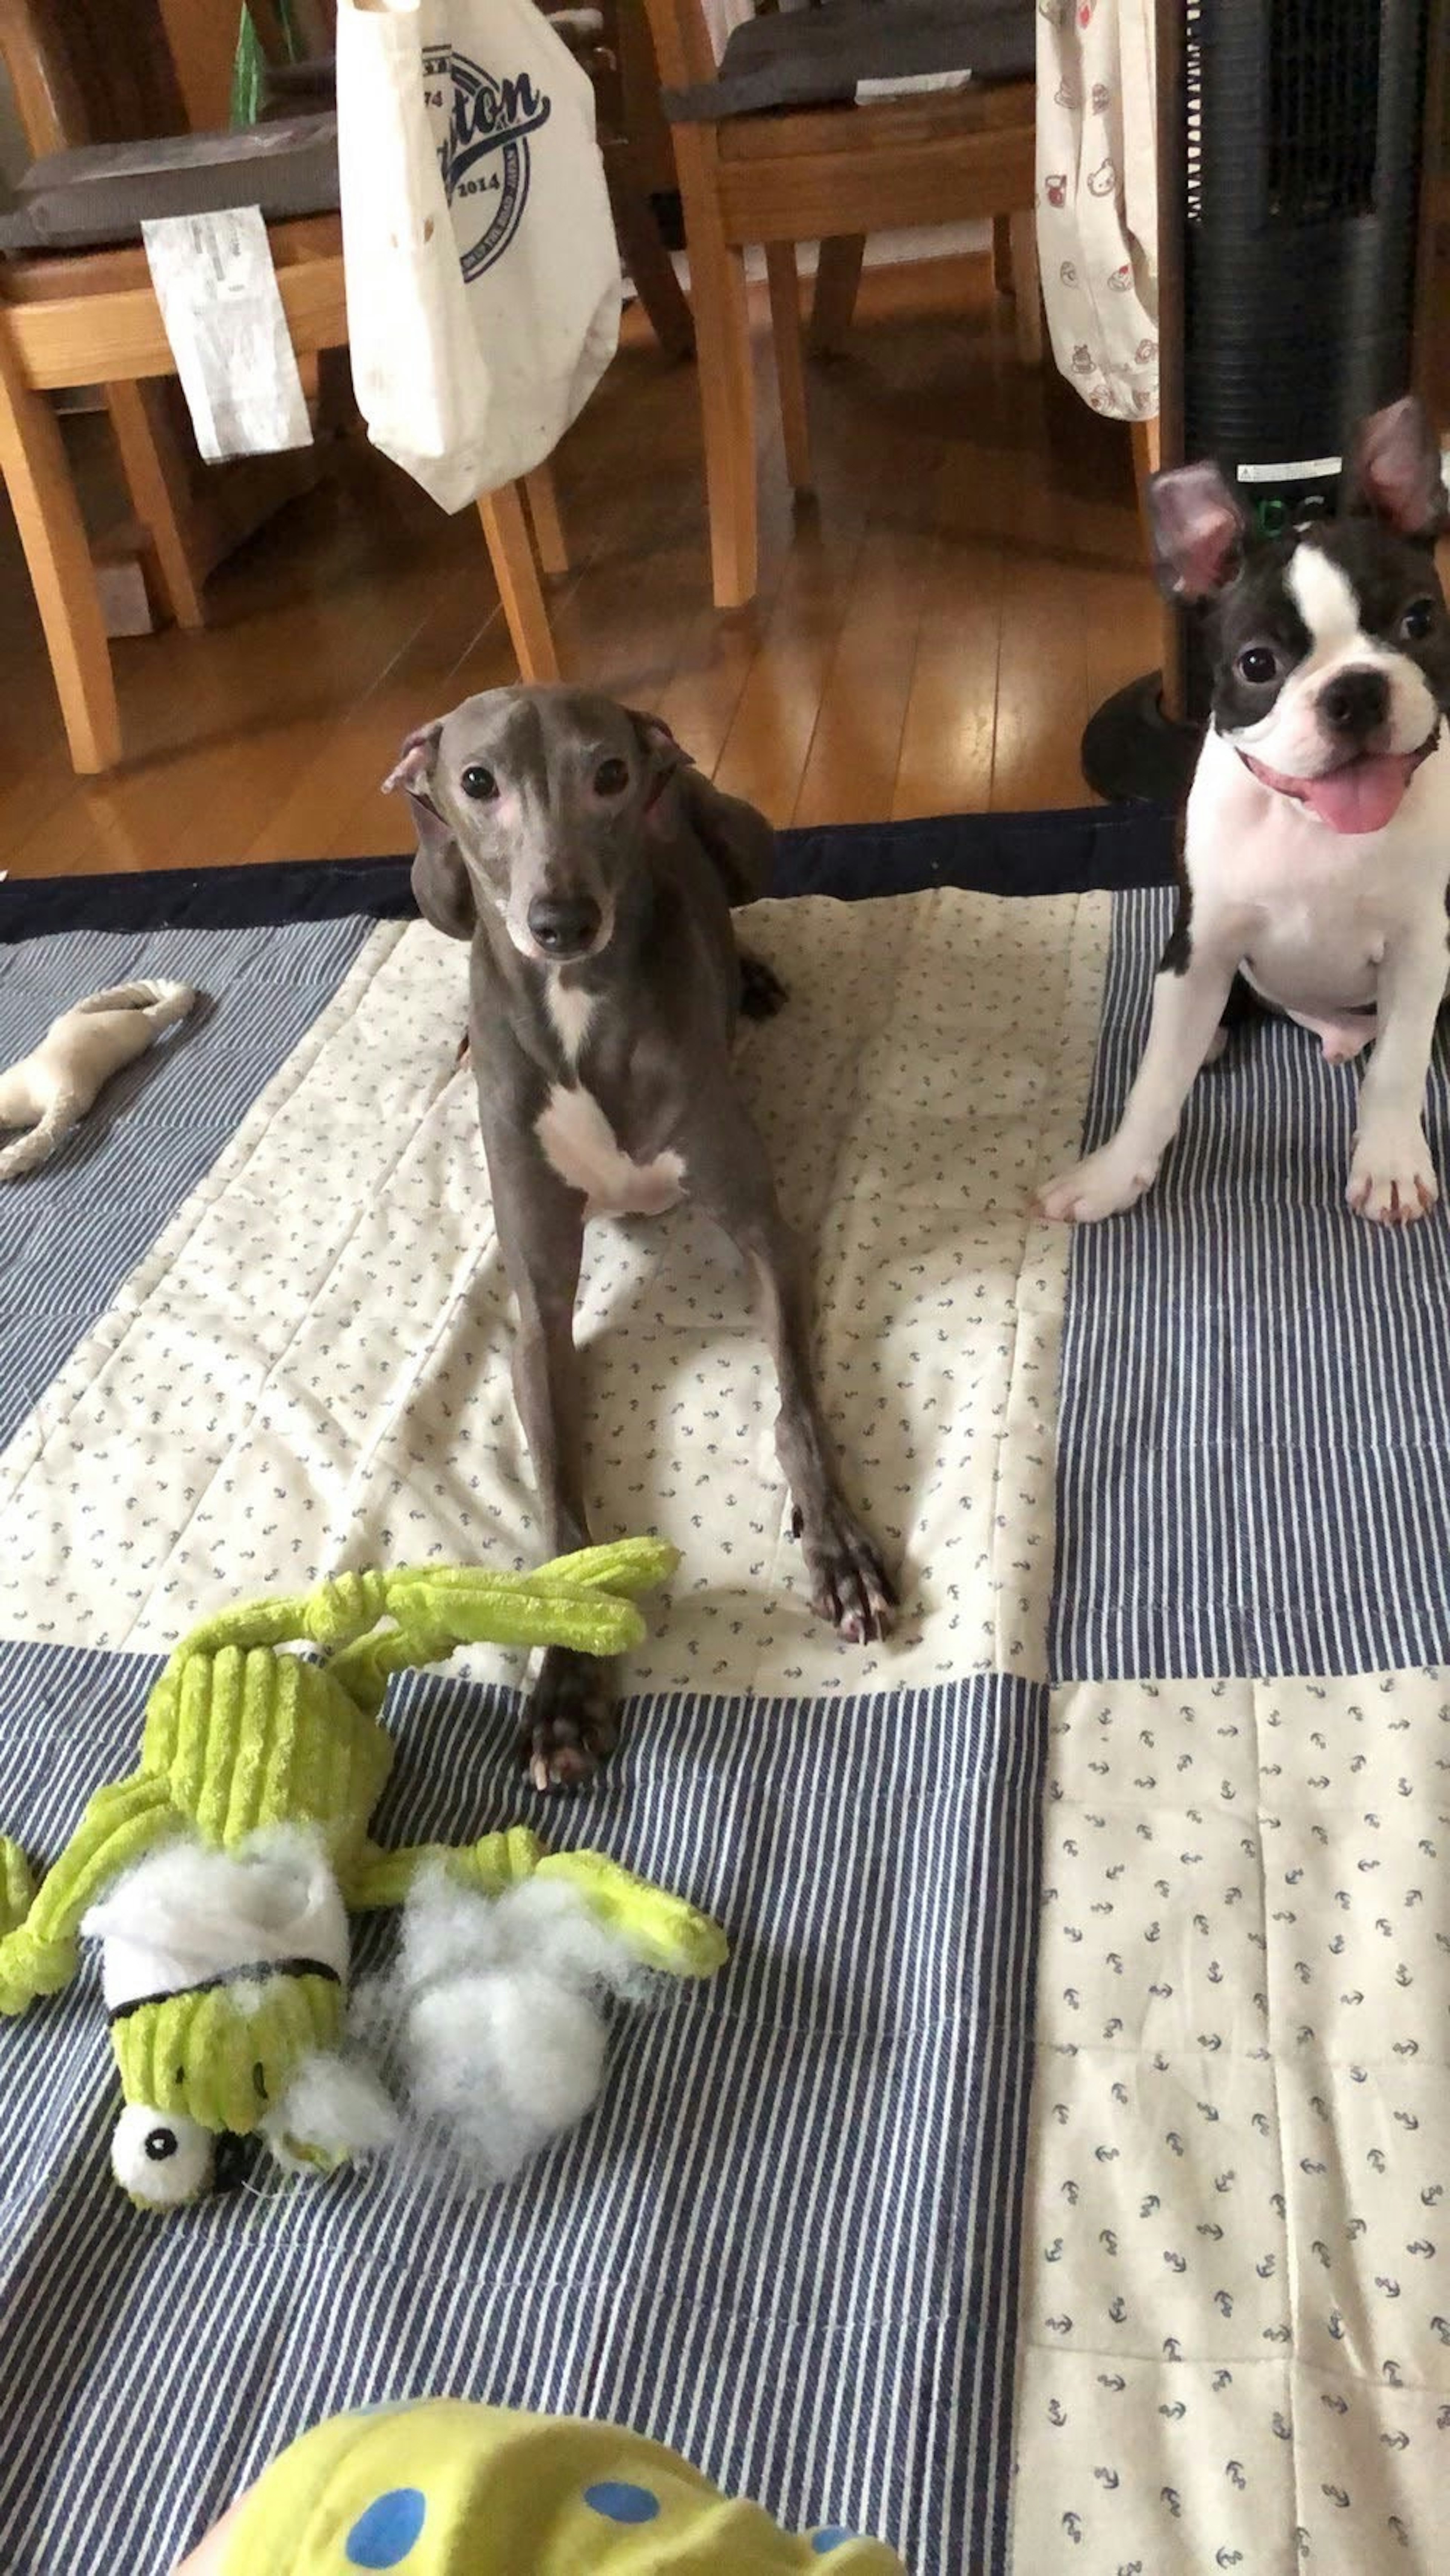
{"x":483,"y":281}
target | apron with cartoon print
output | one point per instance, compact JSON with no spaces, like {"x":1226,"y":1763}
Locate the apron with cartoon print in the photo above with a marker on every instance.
{"x":1097,"y":199}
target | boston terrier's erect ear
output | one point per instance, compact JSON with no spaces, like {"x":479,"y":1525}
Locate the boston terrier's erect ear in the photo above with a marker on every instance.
{"x":1198,"y":531}
{"x":1396,"y":471}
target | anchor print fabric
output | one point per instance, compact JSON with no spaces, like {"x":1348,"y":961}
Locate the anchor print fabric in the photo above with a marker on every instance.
{"x":1234,"y":2347}
{"x":1097,"y":199}
{"x":1237,"y":2321}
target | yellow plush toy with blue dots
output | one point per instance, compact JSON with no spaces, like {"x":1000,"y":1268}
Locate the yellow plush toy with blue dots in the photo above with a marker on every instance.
{"x":444,"y":2488}
{"x":218,"y":1879}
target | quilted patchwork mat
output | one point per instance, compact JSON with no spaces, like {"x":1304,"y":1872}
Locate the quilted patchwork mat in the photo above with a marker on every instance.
{"x":1053,"y":2179}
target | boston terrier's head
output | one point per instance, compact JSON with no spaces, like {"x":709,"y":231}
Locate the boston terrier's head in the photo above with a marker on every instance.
{"x":1330,"y":643}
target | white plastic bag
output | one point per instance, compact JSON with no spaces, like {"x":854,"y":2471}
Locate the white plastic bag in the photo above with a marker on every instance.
{"x":483,"y":282}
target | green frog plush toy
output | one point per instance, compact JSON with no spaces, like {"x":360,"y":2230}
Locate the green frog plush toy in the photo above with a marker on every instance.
{"x":218,"y":1880}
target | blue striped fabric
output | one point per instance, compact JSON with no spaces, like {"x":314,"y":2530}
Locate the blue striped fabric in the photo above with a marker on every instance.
{"x":784,"y":2243}
{"x":76,"y":1227}
{"x":1254,"y":1449}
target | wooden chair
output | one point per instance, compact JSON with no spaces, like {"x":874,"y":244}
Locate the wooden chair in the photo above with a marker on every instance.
{"x":634,"y":145}
{"x":831,"y":174}
{"x":92,"y":318}
{"x":89,"y":317}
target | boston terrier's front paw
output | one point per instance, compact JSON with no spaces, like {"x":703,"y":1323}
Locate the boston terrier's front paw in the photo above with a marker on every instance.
{"x":1392,"y":1179}
{"x":1107,"y":1182}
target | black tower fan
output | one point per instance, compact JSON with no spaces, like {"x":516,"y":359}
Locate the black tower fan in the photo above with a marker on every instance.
{"x":1290,"y":150}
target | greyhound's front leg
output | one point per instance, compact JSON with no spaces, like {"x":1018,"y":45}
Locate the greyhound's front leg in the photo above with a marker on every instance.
{"x":569,"y":1718}
{"x":1188,"y":1004}
{"x":850,"y":1586}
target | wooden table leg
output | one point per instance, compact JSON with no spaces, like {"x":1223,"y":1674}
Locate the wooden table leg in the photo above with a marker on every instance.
{"x":783,"y":279}
{"x":47,"y":514}
{"x":517,"y":575}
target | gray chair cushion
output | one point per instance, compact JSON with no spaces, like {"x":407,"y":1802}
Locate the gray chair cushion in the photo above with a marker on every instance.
{"x":814,"y":58}
{"x":98,"y":195}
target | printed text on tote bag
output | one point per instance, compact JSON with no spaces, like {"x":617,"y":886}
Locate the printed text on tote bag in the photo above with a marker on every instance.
{"x":482,"y":128}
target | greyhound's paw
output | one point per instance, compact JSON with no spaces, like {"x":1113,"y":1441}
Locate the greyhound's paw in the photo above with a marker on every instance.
{"x":1392,"y":1179}
{"x":569,"y":1721}
{"x":1104,"y":1185}
{"x":762,"y":993}
{"x":850,"y":1587}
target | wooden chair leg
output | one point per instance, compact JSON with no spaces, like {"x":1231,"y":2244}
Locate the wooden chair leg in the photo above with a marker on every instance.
{"x":727,"y":374}
{"x":543,"y":499}
{"x":1026,"y":288}
{"x":1003,"y":281}
{"x":148,"y":460}
{"x":47,"y":514}
{"x":517,"y":575}
{"x":785,"y":321}
{"x":838,"y":275}
{"x":649,"y":263}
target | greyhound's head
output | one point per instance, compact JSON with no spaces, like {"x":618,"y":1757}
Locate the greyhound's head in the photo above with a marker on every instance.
{"x":536,"y":804}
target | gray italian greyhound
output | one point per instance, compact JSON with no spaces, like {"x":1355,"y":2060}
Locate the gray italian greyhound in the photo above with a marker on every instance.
{"x":593,"y":869}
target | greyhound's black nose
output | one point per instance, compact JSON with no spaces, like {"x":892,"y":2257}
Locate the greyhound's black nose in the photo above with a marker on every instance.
{"x":1355,"y":702}
{"x":564,"y":925}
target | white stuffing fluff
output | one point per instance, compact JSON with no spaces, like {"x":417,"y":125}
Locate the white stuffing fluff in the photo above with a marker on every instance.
{"x":335,"y":2105}
{"x":490,"y":2015}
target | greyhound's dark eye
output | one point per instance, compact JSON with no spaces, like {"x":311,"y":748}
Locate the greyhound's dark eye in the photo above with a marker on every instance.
{"x":1418,"y":621}
{"x":1257,"y":664}
{"x":611,"y":778}
{"x":480,"y":783}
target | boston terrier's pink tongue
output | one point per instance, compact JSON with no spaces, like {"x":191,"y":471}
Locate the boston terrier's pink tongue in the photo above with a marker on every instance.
{"x":1363,"y":796}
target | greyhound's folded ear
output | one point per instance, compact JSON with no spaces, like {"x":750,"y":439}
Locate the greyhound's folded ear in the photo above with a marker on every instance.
{"x":735,"y":837}
{"x":663,"y":754}
{"x":441,"y":887}
{"x":656,"y":738}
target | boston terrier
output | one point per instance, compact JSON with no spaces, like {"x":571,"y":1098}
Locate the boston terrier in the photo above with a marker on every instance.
{"x":1315,"y":853}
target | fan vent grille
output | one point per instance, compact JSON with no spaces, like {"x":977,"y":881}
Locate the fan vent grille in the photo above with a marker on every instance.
{"x":1324,"y":79}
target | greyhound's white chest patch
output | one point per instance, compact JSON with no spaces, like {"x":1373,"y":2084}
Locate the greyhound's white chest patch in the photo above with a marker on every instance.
{"x":571,"y":1010}
{"x":583,"y":1149}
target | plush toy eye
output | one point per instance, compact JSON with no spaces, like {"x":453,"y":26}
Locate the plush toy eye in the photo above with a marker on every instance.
{"x":1418,"y":621}
{"x":611,"y":778}
{"x":1257,"y":664}
{"x":480,"y":783}
{"x":161,"y":2158}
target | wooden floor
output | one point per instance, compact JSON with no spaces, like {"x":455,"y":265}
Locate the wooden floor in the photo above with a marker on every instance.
{"x":930,"y":638}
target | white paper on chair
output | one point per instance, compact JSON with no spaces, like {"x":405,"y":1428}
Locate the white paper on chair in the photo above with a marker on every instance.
{"x":222,"y":308}
{"x":909,"y":85}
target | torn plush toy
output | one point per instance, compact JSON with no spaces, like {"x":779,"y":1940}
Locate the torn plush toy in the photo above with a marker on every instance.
{"x":52,"y":1088}
{"x":218,"y":1880}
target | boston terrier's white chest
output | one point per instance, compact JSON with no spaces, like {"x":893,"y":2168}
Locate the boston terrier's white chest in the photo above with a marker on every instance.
{"x":1316,"y":910}
{"x":582,"y":1147}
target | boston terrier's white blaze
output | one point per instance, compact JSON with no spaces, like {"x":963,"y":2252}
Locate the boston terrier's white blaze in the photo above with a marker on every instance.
{"x":1316,"y":843}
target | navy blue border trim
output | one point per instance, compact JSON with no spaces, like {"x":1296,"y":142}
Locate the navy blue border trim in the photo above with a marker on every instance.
{"x":1074,"y":852}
